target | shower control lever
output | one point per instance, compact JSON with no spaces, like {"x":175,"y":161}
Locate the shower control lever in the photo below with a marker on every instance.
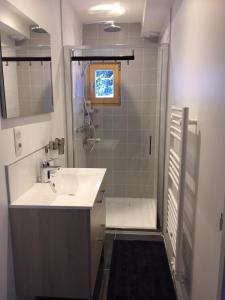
{"x":93,"y":140}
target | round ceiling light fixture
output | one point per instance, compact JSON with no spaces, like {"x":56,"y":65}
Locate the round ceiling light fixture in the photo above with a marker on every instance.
{"x":114,"y":9}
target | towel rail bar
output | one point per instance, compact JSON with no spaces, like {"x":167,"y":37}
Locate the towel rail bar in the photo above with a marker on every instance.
{"x":179,"y":121}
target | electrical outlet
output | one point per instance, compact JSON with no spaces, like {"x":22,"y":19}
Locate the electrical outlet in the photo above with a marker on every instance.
{"x":17,"y":141}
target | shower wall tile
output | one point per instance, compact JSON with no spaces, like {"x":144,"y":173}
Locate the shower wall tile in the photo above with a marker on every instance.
{"x":149,"y":76}
{"x":120,"y":151}
{"x":121,"y":35}
{"x":120,"y":136}
{"x":134,"y":76}
{"x":134,"y":30}
{"x":107,"y":111}
{"x":120,"y":164}
{"x":91,"y":41}
{"x":134,"y":123}
{"x":109,"y":178}
{"x":147,"y":164}
{"x":134,"y":108}
{"x":148,"y":92}
{"x":120,"y":122}
{"x":109,"y":191}
{"x":131,"y":92}
{"x":105,"y":163}
{"x":108,"y":122}
{"x":122,"y":109}
{"x":134,"y":136}
{"x":148,"y":107}
{"x":119,"y":190}
{"x":125,"y":130}
{"x":91,"y":31}
{"x":92,"y":162}
{"x":120,"y":177}
{"x":147,"y":191}
{"x":134,"y":150}
{"x":150,"y":57}
{"x":133,"y":191}
{"x":148,"y":122}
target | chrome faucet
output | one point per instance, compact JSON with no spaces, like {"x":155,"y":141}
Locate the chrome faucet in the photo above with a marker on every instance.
{"x":46,"y":170}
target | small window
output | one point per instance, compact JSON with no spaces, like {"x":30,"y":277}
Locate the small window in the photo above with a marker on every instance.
{"x":103,"y":83}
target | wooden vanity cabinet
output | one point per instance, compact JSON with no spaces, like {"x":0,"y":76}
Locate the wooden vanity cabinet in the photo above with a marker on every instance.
{"x":57,"y":251}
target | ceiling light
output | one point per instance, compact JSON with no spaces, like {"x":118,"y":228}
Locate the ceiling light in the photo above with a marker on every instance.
{"x":114,"y":9}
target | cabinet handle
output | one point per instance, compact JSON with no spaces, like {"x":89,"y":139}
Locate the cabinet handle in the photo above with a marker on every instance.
{"x":100,"y":240}
{"x":103,"y":196}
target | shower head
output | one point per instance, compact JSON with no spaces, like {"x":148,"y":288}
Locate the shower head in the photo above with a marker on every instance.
{"x":38,"y":29}
{"x":111,"y":27}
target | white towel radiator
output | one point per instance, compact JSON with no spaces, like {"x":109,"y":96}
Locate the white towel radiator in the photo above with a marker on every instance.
{"x":176,"y":183}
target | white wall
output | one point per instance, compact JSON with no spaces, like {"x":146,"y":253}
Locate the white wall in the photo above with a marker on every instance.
{"x":71,"y":25}
{"x":36,"y":130}
{"x":72,"y":36}
{"x":196,"y":79}
{"x":12,"y":21}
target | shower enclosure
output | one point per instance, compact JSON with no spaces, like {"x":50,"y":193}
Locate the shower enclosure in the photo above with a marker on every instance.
{"x":124,"y":138}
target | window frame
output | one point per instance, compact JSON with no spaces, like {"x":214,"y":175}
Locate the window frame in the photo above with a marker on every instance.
{"x":116,"y":100}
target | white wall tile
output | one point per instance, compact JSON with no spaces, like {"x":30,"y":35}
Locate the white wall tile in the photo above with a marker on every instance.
{"x":23,"y":174}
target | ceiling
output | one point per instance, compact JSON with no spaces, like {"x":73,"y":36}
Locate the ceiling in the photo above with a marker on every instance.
{"x":134,"y":10}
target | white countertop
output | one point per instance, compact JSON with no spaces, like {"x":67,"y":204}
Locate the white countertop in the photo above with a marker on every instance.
{"x":41,"y":195}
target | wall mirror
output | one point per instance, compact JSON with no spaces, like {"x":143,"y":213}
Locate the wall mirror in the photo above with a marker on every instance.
{"x":25,"y":66}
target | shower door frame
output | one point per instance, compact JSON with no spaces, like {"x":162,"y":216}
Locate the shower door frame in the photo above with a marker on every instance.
{"x":160,"y":126}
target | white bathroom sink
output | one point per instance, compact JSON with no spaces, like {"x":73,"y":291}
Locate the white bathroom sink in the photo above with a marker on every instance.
{"x":68,"y":188}
{"x":63,"y":183}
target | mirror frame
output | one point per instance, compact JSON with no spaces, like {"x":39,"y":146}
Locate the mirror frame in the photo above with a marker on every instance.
{"x":2,"y":86}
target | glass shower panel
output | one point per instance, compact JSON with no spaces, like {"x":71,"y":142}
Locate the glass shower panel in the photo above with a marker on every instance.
{"x":127,"y":132}
{"x":78,"y":98}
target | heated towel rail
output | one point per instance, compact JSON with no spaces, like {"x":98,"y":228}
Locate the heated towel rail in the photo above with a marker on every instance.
{"x":179,"y":122}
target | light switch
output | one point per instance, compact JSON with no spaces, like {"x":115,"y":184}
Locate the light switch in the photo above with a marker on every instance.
{"x":17,"y":141}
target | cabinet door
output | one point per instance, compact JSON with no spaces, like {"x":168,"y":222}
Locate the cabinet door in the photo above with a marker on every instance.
{"x":98,"y":220}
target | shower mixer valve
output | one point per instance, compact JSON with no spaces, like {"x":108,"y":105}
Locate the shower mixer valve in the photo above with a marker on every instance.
{"x":57,"y":144}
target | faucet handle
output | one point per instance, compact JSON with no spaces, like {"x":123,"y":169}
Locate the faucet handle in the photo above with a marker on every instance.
{"x":44,"y":163}
{"x":57,"y":144}
{"x":61,"y":144}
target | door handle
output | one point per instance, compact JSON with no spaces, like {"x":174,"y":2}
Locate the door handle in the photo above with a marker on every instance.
{"x":150,"y":145}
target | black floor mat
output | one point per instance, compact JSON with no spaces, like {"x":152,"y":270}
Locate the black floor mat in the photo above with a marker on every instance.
{"x":140,"y":271}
